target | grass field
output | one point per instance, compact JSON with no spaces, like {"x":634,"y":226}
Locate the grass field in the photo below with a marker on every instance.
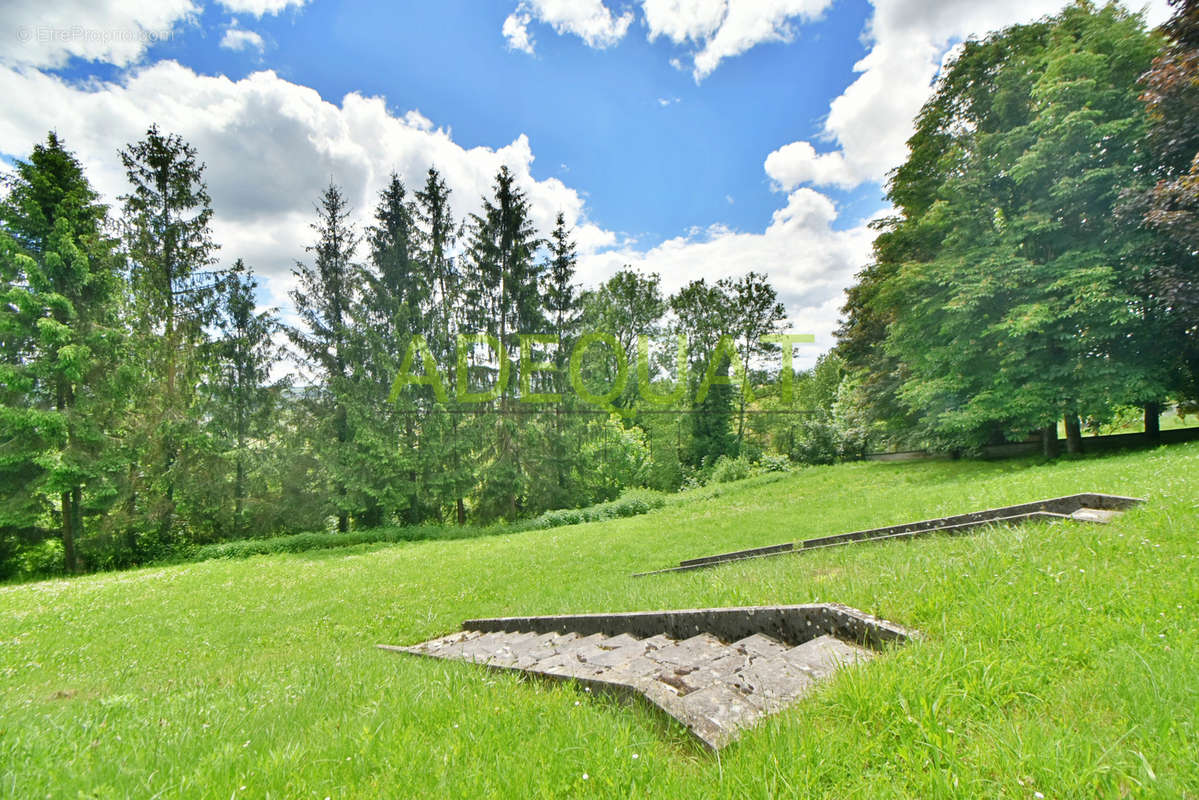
{"x":1058,"y":660}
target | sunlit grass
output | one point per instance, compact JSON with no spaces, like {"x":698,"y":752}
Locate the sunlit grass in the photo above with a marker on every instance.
{"x":1056,"y":659}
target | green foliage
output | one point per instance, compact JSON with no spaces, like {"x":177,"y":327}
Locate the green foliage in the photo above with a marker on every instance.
{"x":1007,"y":693}
{"x":323,"y":300}
{"x":1166,"y":201}
{"x":42,"y":560}
{"x":1004,"y":296}
{"x":630,"y":504}
{"x":60,"y":384}
{"x":307,"y":542}
{"x":165,"y":226}
{"x":730,"y":469}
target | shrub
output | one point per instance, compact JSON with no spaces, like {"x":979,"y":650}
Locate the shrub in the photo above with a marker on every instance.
{"x":40,"y":560}
{"x":772,"y":462}
{"x":629,"y":504}
{"x":730,"y":469}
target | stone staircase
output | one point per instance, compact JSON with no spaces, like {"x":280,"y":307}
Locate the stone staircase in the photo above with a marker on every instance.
{"x":715,"y":687}
{"x":1092,"y":507}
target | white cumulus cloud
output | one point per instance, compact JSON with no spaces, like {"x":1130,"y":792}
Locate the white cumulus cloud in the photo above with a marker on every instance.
{"x":799,"y":163}
{"x":42,"y":34}
{"x":271,"y":147}
{"x":872,"y":119}
{"x":807,"y":260}
{"x":260,"y":8}
{"x":241,"y":39}
{"x":516,"y":31}
{"x":590,"y":20}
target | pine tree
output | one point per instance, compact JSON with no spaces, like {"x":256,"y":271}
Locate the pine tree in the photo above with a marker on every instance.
{"x":562,"y":297}
{"x":326,"y":292}
{"x":562,"y":304}
{"x":61,"y":342}
{"x":506,"y":299}
{"x":392,"y":310}
{"x":448,"y":436}
{"x":243,"y":396}
{"x":170,"y":248}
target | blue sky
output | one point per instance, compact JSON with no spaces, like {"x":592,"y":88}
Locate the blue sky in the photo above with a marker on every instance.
{"x":693,"y":138}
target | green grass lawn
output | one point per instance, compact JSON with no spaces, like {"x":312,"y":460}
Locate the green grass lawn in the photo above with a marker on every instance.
{"x":1058,"y":660}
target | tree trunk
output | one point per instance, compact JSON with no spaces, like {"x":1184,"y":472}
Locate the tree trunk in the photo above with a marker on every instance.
{"x":1049,"y":443}
{"x":239,"y":484}
{"x":741,"y":421}
{"x":744,"y":390}
{"x":76,"y":522}
{"x":169,"y":447}
{"x":461,"y":512}
{"x":1153,"y":430}
{"x":68,"y":533}
{"x":131,"y":509}
{"x":69,"y":516}
{"x":239,"y":493}
{"x":1073,"y":433}
{"x":342,"y":427}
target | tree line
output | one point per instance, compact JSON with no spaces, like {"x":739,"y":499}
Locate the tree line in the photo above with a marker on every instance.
{"x":1039,"y":269}
{"x":1041,"y":266}
{"x":143,"y":410}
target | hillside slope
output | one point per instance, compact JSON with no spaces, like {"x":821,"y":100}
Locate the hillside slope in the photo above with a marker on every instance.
{"x":1058,"y":660}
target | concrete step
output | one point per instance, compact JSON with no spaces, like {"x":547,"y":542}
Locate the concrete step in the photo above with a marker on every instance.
{"x":1082,"y":507}
{"x":714,"y":688}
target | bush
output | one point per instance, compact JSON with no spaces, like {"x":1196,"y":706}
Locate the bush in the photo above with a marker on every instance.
{"x":318,"y":540}
{"x":819,"y":442}
{"x":730,"y":469}
{"x":771,"y":462}
{"x":40,"y":560}
{"x":629,"y":504}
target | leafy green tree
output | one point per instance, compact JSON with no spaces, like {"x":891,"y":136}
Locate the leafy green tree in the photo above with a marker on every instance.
{"x":59,"y":345}
{"x":704,"y":315}
{"x":1168,"y":203}
{"x":757,"y":313}
{"x":323,"y":299}
{"x":1171,"y":97}
{"x":1002,"y":289}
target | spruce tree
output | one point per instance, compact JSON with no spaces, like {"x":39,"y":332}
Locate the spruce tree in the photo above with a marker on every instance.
{"x":505,"y":283}
{"x":243,"y":396}
{"x":59,"y":278}
{"x":392,"y":309}
{"x":170,"y":249}
{"x":449,"y":472}
{"x":326,"y":292}
{"x":563,"y":307}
